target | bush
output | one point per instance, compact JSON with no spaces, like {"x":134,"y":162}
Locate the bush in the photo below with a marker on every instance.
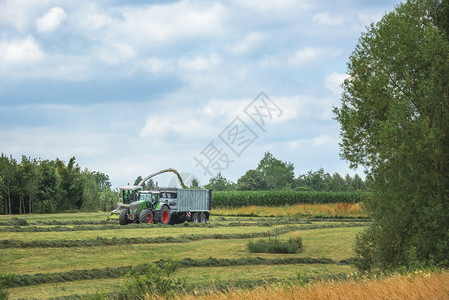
{"x":275,"y":246}
{"x":155,"y":281}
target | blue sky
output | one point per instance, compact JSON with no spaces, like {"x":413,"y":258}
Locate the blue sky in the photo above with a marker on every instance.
{"x":132,"y":87}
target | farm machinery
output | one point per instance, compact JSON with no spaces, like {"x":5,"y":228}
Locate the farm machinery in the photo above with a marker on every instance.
{"x":162,"y":205}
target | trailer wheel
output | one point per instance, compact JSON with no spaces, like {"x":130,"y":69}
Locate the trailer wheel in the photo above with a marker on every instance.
{"x":196,"y":218}
{"x":146,"y":216}
{"x":203,"y":218}
{"x":123,"y":217}
{"x":165,"y":215}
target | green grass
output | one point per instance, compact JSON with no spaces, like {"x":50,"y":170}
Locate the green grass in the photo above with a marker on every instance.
{"x":60,"y":216}
{"x":130,"y":233}
{"x":333,"y":243}
{"x":201,"y":276}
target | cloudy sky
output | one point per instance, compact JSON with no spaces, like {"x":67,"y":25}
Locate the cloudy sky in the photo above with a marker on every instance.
{"x":132,"y":87}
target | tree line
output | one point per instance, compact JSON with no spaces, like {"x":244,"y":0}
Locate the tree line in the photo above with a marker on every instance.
{"x":45,"y":186}
{"x":272,"y":173}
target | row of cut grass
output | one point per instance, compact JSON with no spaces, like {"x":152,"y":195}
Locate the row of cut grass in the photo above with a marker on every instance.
{"x":65,"y":243}
{"x":90,"y":239}
{"x":195,"y":276}
{"x":147,"y":232}
{"x":334,"y":243}
{"x":115,"y":272}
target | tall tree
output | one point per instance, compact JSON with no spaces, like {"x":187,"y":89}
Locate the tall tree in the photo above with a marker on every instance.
{"x":91,"y":200}
{"x":71,"y":185}
{"x":253,"y":180}
{"x":8,"y":170}
{"x":395,"y":122}
{"x":28,"y":169}
{"x":337,"y":183}
{"x":2,"y":187}
{"x":219,"y":183}
{"x":102,"y":180}
{"x":317,"y":180}
{"x":278,"y":174}
{"x":47,"y":187}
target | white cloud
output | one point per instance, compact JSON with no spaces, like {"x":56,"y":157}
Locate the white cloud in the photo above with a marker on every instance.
{"x":327,"y":19}
{"x":322,"y":140}
{"x":270,"y":61}
{"x":305,"y":55}
{"x":155,"y":65}
{"x":200,"y":62}
{"x":333,"y":82}
{"x":309,"y":55}
{"x":269,"y":5}
{"x":20,"y":14}
{"x":177,"y":124}
{"x":20,"y":52}
{"x":155,"y":25}
{"x":96,"y":21}
{"x":51,"y":142}
{"x":116,"y":53}
{"x":51,"y":20}
{"x":249,"y":43}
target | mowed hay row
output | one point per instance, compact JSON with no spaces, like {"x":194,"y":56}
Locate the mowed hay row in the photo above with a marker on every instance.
{"x":184,"y":238}
{"x":421,"y":286}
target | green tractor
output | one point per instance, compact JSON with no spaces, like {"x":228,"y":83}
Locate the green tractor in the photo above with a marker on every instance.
{"x":166,"y":206}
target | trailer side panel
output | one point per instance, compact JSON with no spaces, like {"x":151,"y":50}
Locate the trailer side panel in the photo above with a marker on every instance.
{"x":193,"y":200}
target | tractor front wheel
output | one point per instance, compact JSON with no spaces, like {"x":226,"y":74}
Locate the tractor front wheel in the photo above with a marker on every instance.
{"x":146,"y":216}
{"x":123,"y":217}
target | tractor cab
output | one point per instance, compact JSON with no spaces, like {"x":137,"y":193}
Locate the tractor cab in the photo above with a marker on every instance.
{"x":150,"y":197}
{"x":129,"y":193}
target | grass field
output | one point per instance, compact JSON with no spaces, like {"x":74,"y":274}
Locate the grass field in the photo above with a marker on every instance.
{"x":411,"y":287}
{"x":79,"y":256}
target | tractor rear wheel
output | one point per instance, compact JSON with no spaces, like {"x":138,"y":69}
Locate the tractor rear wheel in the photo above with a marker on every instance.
{"x":123,"y":217}
{"x":165,"y":215}
{"x":146,"y":216}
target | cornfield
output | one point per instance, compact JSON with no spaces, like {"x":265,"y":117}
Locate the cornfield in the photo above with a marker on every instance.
{"x":222,"y":199}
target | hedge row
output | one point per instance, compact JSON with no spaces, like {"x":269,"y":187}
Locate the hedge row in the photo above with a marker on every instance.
{"x":185,"y":238}
{"x":40,"y":278}
{"x":222,"y":199}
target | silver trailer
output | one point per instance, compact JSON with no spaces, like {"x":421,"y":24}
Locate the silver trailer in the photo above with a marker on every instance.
{"x":191,"y":205}
{"x":194,"y":200}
